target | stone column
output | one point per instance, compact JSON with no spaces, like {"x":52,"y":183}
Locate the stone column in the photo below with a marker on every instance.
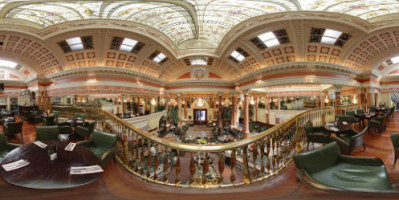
{"x":214,"y":109}
{"x":256,"y":109}
{"x":185,"y":107}
{"x":279,"y":103}
{"x":234,"y":111}
{"x":338,"y":95}
{"x":179,"y":103}
{"x":123,"y":106}
{"x":322,"y":101}
{"x":246,"y":114}
{"x":138,"y":105}
{"x":220,"y":121}
{"x":166,"y":103}
{"x":318,"y":102}
{"x":267,"y":109}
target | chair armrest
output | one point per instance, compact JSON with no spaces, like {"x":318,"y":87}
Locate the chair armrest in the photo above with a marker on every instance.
{"x":374,"y":123}
{"x":11,"y":146}
{"x":341,"y":143}
{"x":86,"y":143}
{"x":361,"y":160}
{"x":107,"y":156}
{"x":320,"y":129}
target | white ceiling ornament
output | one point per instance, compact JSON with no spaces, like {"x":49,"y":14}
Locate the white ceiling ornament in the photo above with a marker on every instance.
{"x":199,"y":73}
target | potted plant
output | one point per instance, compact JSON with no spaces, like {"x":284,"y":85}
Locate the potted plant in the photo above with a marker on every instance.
{"x":173,"y":115}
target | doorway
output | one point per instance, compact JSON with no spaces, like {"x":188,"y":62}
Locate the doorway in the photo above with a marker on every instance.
{"x":200,"y":116}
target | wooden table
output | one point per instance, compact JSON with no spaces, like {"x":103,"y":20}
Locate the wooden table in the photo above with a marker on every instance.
{"x":341,"y":128}
{"x":42,"y":173}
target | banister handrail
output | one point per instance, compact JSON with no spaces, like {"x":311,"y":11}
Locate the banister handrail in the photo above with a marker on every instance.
{"x":272,"y":150}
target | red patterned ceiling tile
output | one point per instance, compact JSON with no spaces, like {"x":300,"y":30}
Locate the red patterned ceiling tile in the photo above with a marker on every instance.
{"x":246,"y":63}
{"x":364,"y":44}
{"x":13,"y":38}
{"x":373,"y":39}
{"x":375,"y":52}
{"x":357,"y":51}
{"x":378,"y":44}
{"x":92,"y":62}
{"x":358,"y":60}
{"x":370,"y":49}
{"x":26,"y":54}
{"x":388,"y":41}
{"x":324,"y":50}
{"x":36,"y":45}
{"x":10,"y":44}
{"x":252,"y":60}
{"x":8,"y":49}
{"x":394,"y":71}
{"x":50,"y":56}
{"x":2,"y":37}
{"x":37,"y":54}
{"x":290,"y":58}
{"x":369,"y":57}
{"x":312,"y":49}
{"x":336,"y":52}
{"x":131,"y":59}
{"x":363,"y":62}
{"x":48,"y":64}
{"x":44,"y":50}
{"x":38,"y":62}
{"x":145,"y":63}
{"x":391,"y":46}
{"x":383,"y":48}
{"x":380,"y":67}
{"x":26,"y":41}
{"x":396,"y":33}
{"x":18,"y":51}
{"x":289,"y":49}
{"x":351,"y":57}
{"x":54,"y":62}
{"x":32,"y":57}
{"x":276,"y":52}
{"x":110,"y":63}
{"x":266,"y":55}
{"x":385,"y":35}
{"x":363,"y":54}
{"x":43,"y":59}
{"x":21,"y":46}
{"x":280,"y":60}
{"x":119,"y":64}
{"x":332,"y":60}
{"x":26,"y":72}
{"x":91,"y":54}
{"x":270,"y":62}
{"x":82,"y":64}
{"x":122,"y":56}
{"x":129,"y":66}
{"x":311,"y":57}
{"x":30,"y":50}
{"x":322,"y":58}
{"x":80,"y":56}
{"x":111,"y":55}
{"x":70,"y":58}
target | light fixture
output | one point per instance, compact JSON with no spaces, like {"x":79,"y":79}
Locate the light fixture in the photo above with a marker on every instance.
{"x":355,"y":99}
{"x":200,"y":103}
{"x":153,"y":102}
{"x":9,"y":64}
{"x":92,"y":80}
{"x":252,"y":102}
{"x":326,"y":100}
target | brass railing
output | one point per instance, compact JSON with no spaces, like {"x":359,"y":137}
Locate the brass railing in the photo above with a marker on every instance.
{"x":206,"y":166}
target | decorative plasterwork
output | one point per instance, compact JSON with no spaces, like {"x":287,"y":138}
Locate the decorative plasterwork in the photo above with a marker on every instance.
{"x":199,"y":73}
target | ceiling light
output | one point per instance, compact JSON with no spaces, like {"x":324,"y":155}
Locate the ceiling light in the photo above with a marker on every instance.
{"x":9,"y":64}
{"x":199,"y":61}
{"x":395,"y":60}
{"x":332,"y":33}
{"x":237,"y":56}
{"x":75,"y":40}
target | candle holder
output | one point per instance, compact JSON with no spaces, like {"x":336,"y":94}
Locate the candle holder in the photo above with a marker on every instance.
{"x":52,"y":151}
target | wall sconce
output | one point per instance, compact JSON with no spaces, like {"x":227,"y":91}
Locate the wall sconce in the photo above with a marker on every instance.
{"x":153,"y":102}
{"x":354,"y":99}
{"x":326,"y":100}
{"x":252,"y":102}
{"x":92,"y":80}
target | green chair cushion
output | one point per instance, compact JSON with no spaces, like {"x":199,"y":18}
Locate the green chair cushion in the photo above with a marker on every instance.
{"x":44,"y":133}
{"x":348,"y":176}
{"x":104,"y":140}
{"x":97,"y":151}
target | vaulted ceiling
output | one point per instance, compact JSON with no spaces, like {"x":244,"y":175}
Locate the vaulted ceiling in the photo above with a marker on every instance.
{"x":30,"y":32}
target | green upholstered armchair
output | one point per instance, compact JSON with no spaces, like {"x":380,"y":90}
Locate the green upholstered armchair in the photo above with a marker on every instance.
{"x":44,"y":133}
{"x":351,"y":141}
{"x":5,"y":147}
{"x":102,"y":144}
{"x":13,"y":128}
{"x":395,"y":142}
{"x":55,"y":114}
{"x":372,"y":108}
{"x":80,"y":115}
{"x":49,"y":121}
{"x":352,"y":117}
{"x":65,"y":130}
{"x":40,"y":112}
{"x":31,"y":116}
{"x":360,"y":111}
{"x":2,"y":115}
{"x":316,"y":134}
{"x":86,"y":130}
{"x":379,"y":123}
{"x":326,"y":169}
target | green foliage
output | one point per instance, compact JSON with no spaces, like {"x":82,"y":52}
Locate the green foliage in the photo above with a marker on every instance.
{"x":173,"y":115}
{"x":159,"y":108}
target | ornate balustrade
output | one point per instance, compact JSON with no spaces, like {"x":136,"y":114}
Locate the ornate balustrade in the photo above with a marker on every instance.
{"x":207,"y":166}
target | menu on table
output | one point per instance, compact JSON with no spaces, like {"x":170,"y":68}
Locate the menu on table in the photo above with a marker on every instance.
{"x":70,"y":146}
{"x":334,"y":129}
{"x":92,"y":169}
{"x":15,"y":165}
{"x":40,"y":144}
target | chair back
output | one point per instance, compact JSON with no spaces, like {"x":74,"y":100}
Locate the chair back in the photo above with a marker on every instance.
{"x":324,"y":156}
{"x":80,"y":115}
{"x":44,"y":133}
{"x":360,"y":111}
{"x":395,"y":139}
{"x":56,"y":113}
{"x":372,"y":108}
{"x":40,"y":112}
{"x":308,"y":127}
{"x":2,"y":115}
{"x":14,"y":128}
{"x":104,"y":140}
{"x":350,"y":113}
{"x":3,"y":141}
{"x":358,"y":139}
{"x":91,"y":126}
{"x":49,"y":121}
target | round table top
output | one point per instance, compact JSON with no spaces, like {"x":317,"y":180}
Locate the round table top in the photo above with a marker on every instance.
{"x":341,"y":128}
{"x":42,"y":173}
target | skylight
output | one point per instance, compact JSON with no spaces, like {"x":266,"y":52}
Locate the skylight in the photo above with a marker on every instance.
{"x":237,"y":56}
{"x":127,"y":45}
{"x":269,"y":39}
{"x":199,"y":61}
{"x":159,"y":58}
{"x":330,"y":36}
{"x":9,"y":64}
{"x":394,"y":60}
{"x":75,"y":43}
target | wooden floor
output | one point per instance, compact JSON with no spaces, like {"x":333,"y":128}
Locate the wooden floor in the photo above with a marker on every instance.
{"x":115,"y":183}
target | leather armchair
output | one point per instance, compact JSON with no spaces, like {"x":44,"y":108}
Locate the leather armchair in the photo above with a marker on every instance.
{"x":49,"y":121}
{"x":352,"y":116}
{"x":359,"y":111}
{"x":351,"y":141}
{"x":80,"y":115}
{"x":102,"y":144}
{"x":326,"y":169}
{"x":13,"y":128}
{"x":379,"y":123}
{"x":44,"y":133}
{"x":5,"y":147}
{"x":86,"y":130}
{"x":372,"y":108}
{"x":395,"y":143}
{"x":316,"y":134}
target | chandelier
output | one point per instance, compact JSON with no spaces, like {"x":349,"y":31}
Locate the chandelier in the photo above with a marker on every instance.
{"x":200,"y":103}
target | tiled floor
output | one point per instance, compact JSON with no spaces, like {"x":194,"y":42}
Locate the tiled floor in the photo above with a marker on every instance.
{"x":116,"y":183}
